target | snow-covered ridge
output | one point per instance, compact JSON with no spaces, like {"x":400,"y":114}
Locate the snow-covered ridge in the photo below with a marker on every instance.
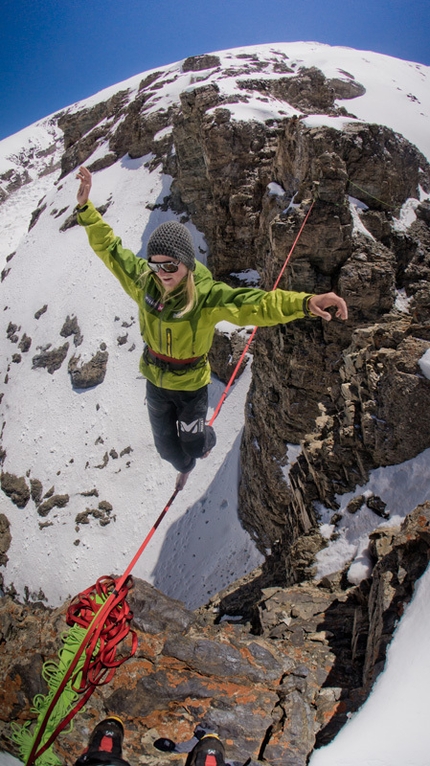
{"x":397,"y":94}
{"x":406,"y":110}
{"x":405,"y":82}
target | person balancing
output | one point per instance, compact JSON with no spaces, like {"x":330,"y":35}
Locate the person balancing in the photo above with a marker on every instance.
{"x":179,"y":305}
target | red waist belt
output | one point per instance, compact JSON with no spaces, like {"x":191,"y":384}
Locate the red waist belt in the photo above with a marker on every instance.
{"x":162,"y":360}
{"x":172,"y":360}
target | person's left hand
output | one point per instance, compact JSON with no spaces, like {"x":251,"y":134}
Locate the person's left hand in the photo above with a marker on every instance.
{"x":318,"y":304}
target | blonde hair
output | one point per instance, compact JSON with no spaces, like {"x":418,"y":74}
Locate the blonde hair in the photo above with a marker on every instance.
{"x":188,"y":291}
{"x":190,"y":294}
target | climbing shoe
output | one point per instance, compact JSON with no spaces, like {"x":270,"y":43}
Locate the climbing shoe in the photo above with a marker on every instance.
{"x":106,"y":737}
{"x":208,"y":752}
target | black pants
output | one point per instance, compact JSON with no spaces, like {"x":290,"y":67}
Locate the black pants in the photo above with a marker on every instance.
{"x":178,"y":422}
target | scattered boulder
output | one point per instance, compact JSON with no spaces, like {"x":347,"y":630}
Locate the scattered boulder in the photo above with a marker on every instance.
{"x":355,"y":504}
{"x":51,"y":360}
{"x":377,"y":505}
{"x":102,"y":513}
{"x":200,"y":63}
{"x":36,"y":488}
{"x":4,"y":273}
{"x":5,"y":538}
{"x":344,"y":89}
{"x":16,"y":488}
{"x":36,"y":215}
{"x":88,"y":374}
{"x":25,"y":343}
{"x":41,"y":311}
{"x":104,"y":462}
{"x":90,"y":493}
{"x":71,"y":327}
{"x":11,"y":332}
{"x":56,"y":501}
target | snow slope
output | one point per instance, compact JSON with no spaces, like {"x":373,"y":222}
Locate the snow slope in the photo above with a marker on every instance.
{"x":392,"y":729}
{"x":61,"y":436}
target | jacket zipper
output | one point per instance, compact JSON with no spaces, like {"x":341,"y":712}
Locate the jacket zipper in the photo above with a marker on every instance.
{"x":169,"y":341}
{"x":160,"y":340}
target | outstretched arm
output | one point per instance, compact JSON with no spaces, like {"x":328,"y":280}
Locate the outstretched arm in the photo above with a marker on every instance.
{"x":318,"y":303}
{"x":85,"y":178}
{"x":120,"y":261}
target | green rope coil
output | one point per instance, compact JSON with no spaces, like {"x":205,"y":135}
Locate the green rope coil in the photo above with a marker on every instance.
{"x":53,"y":673}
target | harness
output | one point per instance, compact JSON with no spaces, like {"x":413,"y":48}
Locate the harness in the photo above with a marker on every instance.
{"x":169,"y":363}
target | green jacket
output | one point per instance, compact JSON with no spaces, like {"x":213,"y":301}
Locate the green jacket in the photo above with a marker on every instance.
{"x":191,"y":335}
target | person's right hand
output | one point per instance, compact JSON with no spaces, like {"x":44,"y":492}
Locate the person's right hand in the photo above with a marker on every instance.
{"x":84,"y":176}
{"x":319,"y":303}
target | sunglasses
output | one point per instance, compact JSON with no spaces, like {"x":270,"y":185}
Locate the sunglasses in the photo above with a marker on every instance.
{"x":170,"y":267}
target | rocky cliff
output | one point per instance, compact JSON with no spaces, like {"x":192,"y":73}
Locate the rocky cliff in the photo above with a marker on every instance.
{"x":352,"y":392}
{"x":275,"y":670}
{"x":303,"y":653}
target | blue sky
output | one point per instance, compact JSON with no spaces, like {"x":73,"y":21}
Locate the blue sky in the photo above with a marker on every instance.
{"x":56,"y":52}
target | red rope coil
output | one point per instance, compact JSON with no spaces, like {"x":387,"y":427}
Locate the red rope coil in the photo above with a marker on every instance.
{"x":101,"y":661}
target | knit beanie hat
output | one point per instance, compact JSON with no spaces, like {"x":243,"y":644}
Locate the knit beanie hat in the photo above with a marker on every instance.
{"x":173,"y":239}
